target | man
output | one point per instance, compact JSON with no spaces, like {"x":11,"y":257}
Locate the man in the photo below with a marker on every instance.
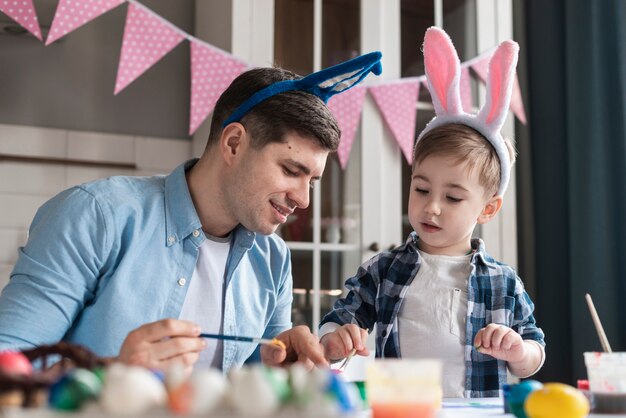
{"x":137,"y":267}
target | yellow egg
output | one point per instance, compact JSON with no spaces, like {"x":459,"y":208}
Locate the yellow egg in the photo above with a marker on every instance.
{"x":556,"y":400}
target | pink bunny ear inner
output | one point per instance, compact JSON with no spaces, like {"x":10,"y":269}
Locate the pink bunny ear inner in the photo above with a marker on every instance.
{"x":443,"y":71}
{"x":500,"y":83}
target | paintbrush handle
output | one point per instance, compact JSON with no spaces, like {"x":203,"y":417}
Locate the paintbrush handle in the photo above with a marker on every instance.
{"x":239,"y":338}
{"x":596,"y":321}
{"x":231,"y":338}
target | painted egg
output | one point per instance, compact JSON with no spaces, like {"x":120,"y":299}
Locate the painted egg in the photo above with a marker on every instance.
{"x":74,"y":389}
{"x":131,"y":390}
{"x":14,"y":362}
{"x":556,"y":400}
{"x":517,"y":394}
{"x":209,"y":388}
{"x":251,"y":394}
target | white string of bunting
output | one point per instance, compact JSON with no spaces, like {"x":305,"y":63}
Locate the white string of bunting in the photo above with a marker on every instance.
{"x":148,"y":37}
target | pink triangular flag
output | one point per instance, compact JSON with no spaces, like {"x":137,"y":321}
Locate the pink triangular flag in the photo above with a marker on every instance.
{"x":147,"y":38}
{"x":211,"y":72}
{"x":23,"y":12}
{"x":466,"y":90}
{"x":398,"y":104}
{"x":347,"y":107}
{"x":72,"y":14}
{"x":517,"y":106}
{"x":481,"y":67}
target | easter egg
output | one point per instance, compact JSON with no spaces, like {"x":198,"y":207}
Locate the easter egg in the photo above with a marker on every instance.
{"x":131,"y":390}
{"x":556,"y":400}
{"x":74,"y":389}
{"x":14,"y":362}
{"x":252,"y":395}
{"x":517,"y":394}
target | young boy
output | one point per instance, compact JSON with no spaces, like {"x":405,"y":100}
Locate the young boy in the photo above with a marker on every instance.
{"x":441,"y":295}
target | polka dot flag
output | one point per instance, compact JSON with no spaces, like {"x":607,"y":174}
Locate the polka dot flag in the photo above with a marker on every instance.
{"x":211,"y":72}
{"x":397,"y":103}
{"x":481,"y":69}
{"x":23,"y":12}
{"x":347,"y":107}
{"x":147,"y":39}
{"x":72,"y":14}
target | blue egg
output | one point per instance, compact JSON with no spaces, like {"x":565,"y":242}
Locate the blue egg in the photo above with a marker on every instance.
{"x":516,"y":395}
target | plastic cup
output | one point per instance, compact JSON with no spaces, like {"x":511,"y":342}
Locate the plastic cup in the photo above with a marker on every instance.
{"x":607,"y":381}
{"x":404,"y":388}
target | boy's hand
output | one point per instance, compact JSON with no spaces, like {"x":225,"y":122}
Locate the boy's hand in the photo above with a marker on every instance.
{"x":501,"y":342}
{"x":338,"y":344}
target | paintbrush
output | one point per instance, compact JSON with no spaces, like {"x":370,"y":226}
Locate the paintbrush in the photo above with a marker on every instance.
{"x":266,"y":341}
{"x":596,"y":321}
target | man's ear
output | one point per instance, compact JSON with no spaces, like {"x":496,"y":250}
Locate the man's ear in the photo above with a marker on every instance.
{"x":491,"y":209}
{"x":232,"y":140}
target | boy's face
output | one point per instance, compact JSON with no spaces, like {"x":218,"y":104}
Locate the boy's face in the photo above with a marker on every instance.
{"x":265,"y":186}
{"x":446,"y":201}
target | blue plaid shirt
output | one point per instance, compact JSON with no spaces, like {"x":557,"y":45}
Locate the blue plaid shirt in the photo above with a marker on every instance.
{"x":494,"y":294}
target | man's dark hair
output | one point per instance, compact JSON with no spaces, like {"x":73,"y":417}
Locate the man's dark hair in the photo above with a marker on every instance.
{"x":269,"y":121}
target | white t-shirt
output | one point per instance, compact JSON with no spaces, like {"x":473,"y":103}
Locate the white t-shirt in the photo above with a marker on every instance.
{"x":431,"y":320}
{"x":204,"y":302}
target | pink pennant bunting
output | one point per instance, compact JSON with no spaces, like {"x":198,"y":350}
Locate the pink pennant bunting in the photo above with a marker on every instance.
{"x":147,"y":38}
{"x":72,"y":14}
{"x":23,"y":12}
{"x":517,"y":105}
{"x":481,"y":67}
{"x":211,"y":72}
{"x":397,"y":103}
{"x":347,"y":107}
{"x":466,"y":90}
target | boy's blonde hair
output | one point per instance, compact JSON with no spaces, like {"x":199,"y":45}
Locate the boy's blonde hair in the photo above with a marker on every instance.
{"x":465,"y":145}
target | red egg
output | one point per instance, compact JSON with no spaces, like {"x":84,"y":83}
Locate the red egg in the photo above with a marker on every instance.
{"x":14,"y":362}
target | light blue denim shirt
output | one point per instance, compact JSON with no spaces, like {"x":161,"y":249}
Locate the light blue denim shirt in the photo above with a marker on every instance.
{"x":105,"y":257}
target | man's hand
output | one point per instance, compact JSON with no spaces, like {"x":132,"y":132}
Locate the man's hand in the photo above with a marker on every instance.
{"x":302,"y":346}
{"x":161,"y":344}
{"x":338,"y":344}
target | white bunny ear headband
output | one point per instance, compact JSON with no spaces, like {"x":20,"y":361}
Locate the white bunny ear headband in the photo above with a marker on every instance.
{"x":443,"y":73}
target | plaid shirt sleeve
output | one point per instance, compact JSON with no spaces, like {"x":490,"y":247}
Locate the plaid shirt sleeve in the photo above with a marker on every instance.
{"x":523,"y":319}
{"x":359,"y":305}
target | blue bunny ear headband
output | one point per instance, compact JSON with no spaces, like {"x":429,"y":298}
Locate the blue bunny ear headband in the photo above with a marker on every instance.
{"x":324,"y":83}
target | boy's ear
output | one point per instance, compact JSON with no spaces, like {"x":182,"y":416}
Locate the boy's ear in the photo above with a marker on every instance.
{"x":491,"y":209}
{"x":232,"y":141}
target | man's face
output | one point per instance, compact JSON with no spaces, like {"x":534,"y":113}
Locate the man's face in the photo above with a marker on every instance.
{"x":265,"y":186}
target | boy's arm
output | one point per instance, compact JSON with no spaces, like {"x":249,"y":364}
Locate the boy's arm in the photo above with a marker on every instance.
{"x":524,"y":324}
{"x":358,"y":306}
{"x":532,"y":362}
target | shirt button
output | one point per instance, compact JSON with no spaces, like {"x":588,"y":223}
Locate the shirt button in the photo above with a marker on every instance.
{"x":196,"y":233}
{"x":182,"y":281}
{"x":171,"y":239}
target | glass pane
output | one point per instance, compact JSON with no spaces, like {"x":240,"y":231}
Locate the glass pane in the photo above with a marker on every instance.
{"x":341,"y":31}
{"x":336,"y":267}
{"x":341,"y":197}
{"x":293,"y":35}
{"x":415,"y":17}
{"x":341,"y":189}
{"x":459,"y":21}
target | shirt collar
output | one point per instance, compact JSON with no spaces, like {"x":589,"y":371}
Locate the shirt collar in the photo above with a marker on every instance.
{"x":479,"y":252}
{"x":181,"y":218}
